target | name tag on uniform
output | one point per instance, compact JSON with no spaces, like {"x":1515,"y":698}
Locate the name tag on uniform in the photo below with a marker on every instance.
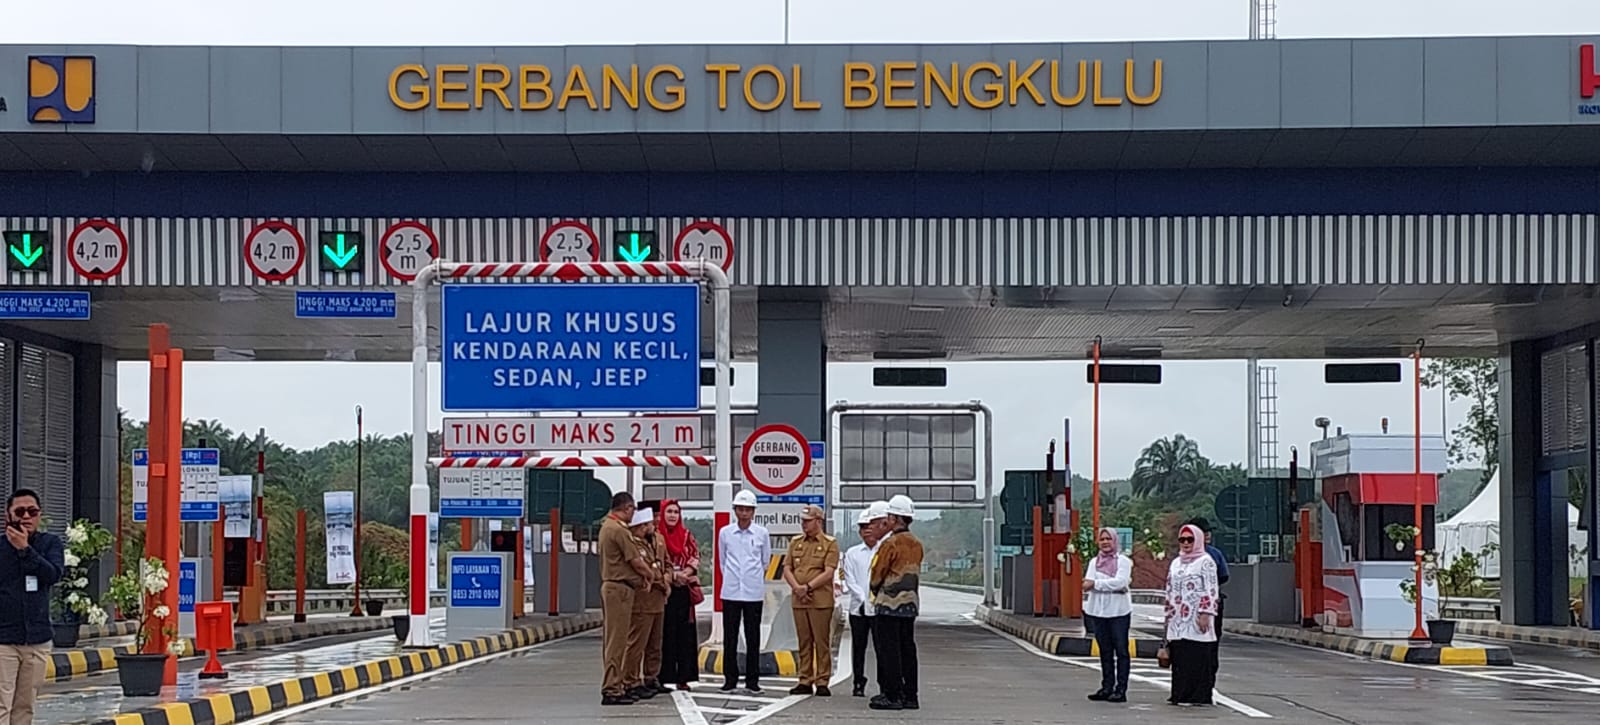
{"x":30,"y":583}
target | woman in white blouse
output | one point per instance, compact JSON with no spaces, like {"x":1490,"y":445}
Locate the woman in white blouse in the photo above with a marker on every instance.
{"x":1192,"y":596}
{"x":1108,"y":608}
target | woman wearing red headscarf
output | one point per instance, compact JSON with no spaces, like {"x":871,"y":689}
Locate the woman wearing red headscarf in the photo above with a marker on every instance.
{"x":1192,"y":597}
{"x":679,"y":637}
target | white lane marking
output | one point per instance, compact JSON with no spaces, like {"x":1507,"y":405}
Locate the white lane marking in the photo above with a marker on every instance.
{"x":336,"y":699}
{"x":693,"y":713}
{"x":1094,"y":664}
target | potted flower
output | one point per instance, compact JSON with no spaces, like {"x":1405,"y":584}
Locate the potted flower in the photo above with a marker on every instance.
{"x":1459,"y":579}
{"x":141,"y":673}
{"x":71,"y":605}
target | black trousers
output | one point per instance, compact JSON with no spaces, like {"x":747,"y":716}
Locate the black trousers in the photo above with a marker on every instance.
{"x":679,"y":641}
{"x":895,"y":642}
{"x":860,"y":632}
{"x":1111,"y":634}
{"x":1194,"y":670}
{"x":750,"y":613}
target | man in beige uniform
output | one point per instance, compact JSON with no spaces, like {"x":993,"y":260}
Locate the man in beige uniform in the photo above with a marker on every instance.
{"x":648,"y":604}
{"x":622,"y":572}
{"x":813,"y":558}
{"x":657,"y":610}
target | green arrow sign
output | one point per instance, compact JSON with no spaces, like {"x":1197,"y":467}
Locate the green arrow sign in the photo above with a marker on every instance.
{"x":341,"y":251}
{"x":632,"y":252}
{"x":28,"y":251}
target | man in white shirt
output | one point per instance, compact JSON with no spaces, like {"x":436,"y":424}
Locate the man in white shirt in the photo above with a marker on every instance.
{"x":743,"y":550}
{"x":856,"y":574}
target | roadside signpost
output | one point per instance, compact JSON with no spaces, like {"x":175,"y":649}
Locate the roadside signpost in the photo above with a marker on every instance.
{"x":590,"y":347}
{"x":704,"y":241}
{"x":317,"y":304}
{"x":44,"y":305}
{"x":274,"y":250}
{"x":482,"y":493}
{"x":342,"y":251}
{"x":569,"y":241}
{"x":680,"y":432}
{"x":573,"y":347}
{"x":776,"y":462}
{"x":28,"y":250}
{"x":201,"y":488}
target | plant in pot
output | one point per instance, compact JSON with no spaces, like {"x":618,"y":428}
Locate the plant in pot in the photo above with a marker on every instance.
{"x":130,"y":592}
{"x":1459,"y":579}
{"x":71,"y":606}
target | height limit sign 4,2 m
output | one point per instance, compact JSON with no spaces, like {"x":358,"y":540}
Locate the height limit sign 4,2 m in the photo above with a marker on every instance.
{"x":776,"y":459}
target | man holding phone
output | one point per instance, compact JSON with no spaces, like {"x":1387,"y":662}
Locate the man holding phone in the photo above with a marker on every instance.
{"x":31,"y":561}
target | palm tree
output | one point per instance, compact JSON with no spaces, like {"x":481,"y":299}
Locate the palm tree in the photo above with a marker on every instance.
{"x":1170,"y":468}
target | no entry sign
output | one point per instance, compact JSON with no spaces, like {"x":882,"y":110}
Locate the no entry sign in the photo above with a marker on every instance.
{"x":776,"y":459}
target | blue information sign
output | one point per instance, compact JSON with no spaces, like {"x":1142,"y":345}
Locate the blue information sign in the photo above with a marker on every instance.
{"x":44,"y":305}
{"x":577,"y":347}
{"x":475,"y":581}
{"x":141,"y":483}
{"x":188,"y":575}
{"x":481,"y":508}
{"x":200,"y":495}
{"x":800,"y":498}
{"x":344,"y":304}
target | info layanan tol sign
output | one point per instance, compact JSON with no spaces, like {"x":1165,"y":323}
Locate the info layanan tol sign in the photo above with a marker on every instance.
{"x":988,"y":84}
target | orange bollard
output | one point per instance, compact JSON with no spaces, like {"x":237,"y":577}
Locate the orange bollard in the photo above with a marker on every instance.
{"x":555,"y":562}
{"x":1039,"y":555}
{"x":1072,"y":581}
{"x":300,"y":566}
{"x":213,"y":633}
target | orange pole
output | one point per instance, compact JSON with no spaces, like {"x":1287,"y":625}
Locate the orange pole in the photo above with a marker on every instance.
{"x":218,"y":545}
{"x":555,"y":561}
{"x":300,"y":565}
{"x":170,"y":503}
{"x":1096,"y":466}
{"x":519,"y":606}
{"x":466,"y":534}
{"x":155,"y":523}
{"x":1417,"y":632}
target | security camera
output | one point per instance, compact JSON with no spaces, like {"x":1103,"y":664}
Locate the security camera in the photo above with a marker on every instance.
{"x":1323,"y":422}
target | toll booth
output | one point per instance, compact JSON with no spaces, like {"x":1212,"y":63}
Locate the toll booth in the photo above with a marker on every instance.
{"x":1037,"y":519}
{"x":1369,"y":482}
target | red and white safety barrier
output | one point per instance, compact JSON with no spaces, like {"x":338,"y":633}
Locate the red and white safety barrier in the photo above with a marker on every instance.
{"x":573,"y":462}
{"x":567,"y":271}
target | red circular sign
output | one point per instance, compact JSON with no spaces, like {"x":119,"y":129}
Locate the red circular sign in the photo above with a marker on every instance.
{"x":569,"y":241}
{"x":776,"y":472}
{"x":97,"y":257}
{"x":704,"y":241}
{"x":406,"y":247}
{"x":272,"y":261}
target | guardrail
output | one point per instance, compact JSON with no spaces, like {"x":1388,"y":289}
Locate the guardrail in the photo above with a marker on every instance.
{"x":1455,"y":608}
{"x":282,"y":601}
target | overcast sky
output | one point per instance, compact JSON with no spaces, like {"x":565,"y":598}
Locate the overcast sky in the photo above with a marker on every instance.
{"x":307,"y":404}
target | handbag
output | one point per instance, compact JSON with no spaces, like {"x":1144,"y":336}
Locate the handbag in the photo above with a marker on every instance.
{"x":1163,"y":657}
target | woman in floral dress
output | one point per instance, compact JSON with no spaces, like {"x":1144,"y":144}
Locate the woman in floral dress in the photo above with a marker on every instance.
{"x":1192,"y":596}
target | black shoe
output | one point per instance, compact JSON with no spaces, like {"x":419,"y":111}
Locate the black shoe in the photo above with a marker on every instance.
{"x":729,"y":687}
{"x":823,"y":691}
{"x":883,"y":703}
{"x":800,"y":690}
{"x":608,"y":700}
{"x":660,"y":688}
{"x":1100,"y":696}
{"x":1117,"y":697}
{"x":910,"y":703}
{"x":641,"y":693}
{"x":753,"y":689}
{"x":860,"y":690}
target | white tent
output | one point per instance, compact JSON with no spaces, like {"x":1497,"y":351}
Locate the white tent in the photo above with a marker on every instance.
{"x":1479,"y":524}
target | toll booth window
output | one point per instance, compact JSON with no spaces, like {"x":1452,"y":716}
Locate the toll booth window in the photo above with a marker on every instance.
{"x":744,"y":424}
{"x":934,"y":447}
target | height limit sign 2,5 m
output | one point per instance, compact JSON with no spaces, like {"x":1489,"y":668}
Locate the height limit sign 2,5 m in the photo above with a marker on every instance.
{"x":776,"y":459}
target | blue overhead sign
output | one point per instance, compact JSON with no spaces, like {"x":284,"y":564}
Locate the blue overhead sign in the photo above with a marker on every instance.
{"x":475,"y":581}
{"x":44,"y":305}
{"x":344,"y":304}
{"x":573,"y":347}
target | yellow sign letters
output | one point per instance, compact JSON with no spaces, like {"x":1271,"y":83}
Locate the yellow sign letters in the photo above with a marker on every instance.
{"x":1038,"y":82}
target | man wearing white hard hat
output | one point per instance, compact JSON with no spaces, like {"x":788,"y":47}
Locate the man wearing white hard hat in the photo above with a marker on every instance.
{"x":743,"y":549}
{"x":896,"y":578}
{"x":856,"y":574}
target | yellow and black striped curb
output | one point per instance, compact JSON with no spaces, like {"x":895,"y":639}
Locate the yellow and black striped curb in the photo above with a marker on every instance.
{"x":777,"y":663}
{"x":1559,"y":636}
{"x":74,"y":663}
{"x":109,"y":629}
{"x":251,"y":702}
{"x":1055,"y":641}
{"x":1490,"y":655}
